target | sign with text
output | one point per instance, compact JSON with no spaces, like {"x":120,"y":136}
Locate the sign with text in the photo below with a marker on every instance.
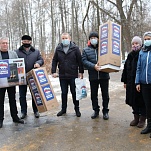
{"x":12,"y":72}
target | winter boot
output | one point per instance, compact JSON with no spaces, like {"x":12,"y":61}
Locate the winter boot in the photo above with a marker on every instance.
{"x":135,"y":121}
{"x":78,"y":114}
{"x":141,"y":123}
{"x":61,"y":112}
{"x":95,"y":114}
{"x":148,"y":127}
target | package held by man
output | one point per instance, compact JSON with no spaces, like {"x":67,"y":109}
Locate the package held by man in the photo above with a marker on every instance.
{"x":41,"y":89}
{"x":109,"y":55}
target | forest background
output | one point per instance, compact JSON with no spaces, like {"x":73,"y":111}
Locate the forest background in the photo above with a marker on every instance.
{"x":45,"y":20}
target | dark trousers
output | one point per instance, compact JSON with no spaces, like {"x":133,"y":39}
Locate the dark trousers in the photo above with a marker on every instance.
{"x":104,"y":85}
{"x":146,"y":91}
{"x":139,"y":110}
{"x":64,"y":83}
{"x":23,"y":101}
{"x":12,"y":102}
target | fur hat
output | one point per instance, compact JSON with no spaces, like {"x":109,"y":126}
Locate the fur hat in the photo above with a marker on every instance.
{"x":148,"y":33}
{"x":137,"y":39}
{"x":26,"y":37}
{"x":93,"y":34}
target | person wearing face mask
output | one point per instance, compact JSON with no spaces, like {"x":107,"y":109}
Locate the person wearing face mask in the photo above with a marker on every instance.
{"x":133,"y":97}
{"x":143,"y":77}
{"x":33,"y":59}
{"x":96,"y":77}
{"x":68,"y":59}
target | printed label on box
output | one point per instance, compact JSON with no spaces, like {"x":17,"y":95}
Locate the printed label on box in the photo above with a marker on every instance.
{"x":103,"y":47}
{"x":104,"y":32}
{"x":48,"y":92}
{"x":115,"y":31}
{"x":32,"y":84}
{"x":38,"y":98}
{"x":41,"y":77}
{"x":4,"y":69}
{"x":116,"y":47}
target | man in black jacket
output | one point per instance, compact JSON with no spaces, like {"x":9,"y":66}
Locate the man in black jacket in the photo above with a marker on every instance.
{"x":33,"y":59}
{"x":68,"y":58}
{"x":96,"y":77}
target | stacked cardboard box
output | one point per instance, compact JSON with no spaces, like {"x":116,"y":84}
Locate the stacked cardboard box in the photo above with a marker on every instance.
{"x":41,"y":89}
{"x":109,"y":55}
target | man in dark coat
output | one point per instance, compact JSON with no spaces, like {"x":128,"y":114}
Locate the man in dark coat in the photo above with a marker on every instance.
{"x":68,"y":59}
{"x":133,"y":97}
{"x":96,"y":77}
{"x":33,"y":59}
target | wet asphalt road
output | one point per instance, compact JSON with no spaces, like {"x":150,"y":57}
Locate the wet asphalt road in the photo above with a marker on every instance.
{"x":71,"y":133}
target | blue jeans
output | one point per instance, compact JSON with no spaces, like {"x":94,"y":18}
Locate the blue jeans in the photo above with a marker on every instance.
{"x":23,"y":101}
{"x":64,"y":83}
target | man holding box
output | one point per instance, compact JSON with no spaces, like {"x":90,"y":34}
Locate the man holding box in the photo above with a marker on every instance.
{"x":96,"y":77}
{"x":7,"y":54}
{"x":33,"y":60}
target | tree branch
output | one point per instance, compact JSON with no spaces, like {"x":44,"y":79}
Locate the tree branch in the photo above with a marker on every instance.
{"x":107,"y":13}
{"x":84,"y":19}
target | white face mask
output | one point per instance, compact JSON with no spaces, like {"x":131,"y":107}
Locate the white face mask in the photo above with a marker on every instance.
{"x":147,"y":42}
{"x":94,"y":41}
{"x":65,"y":42}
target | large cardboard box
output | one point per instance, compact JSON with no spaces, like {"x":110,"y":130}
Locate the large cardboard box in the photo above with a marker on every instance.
{"x":41,"y":89}
{"x":12,"y":72}
{"x":109,"y":55}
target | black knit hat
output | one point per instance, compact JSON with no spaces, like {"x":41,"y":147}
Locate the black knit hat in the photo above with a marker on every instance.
{"x":93,"y":34}
{"x":26,"y":37}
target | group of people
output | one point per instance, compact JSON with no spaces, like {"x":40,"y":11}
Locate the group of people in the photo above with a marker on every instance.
{"x":137,"y":81}
{"x":70,"y":62}
{"x":33,"y":59}
{"x":136,"y":76}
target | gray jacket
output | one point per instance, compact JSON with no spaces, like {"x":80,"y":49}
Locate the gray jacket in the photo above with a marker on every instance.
{"x":30,"y":58}
{"x":12,"y":55}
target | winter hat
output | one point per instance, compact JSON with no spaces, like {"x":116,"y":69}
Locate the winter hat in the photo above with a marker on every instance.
{"x":137,"y":39}
{"x":26,"y":37}
{"x":148,"y":33}
{"x":93,"y":34}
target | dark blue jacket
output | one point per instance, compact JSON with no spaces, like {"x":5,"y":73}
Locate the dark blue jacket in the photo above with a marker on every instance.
{"x":68,"y":63}
{"x":89,"y":59}
{"x":30,"y":58}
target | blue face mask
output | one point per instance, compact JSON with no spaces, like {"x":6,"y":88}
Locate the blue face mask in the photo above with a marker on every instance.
{"x":94,"y":41}
{"x":147,"y":42}
{"x":65,"y":42}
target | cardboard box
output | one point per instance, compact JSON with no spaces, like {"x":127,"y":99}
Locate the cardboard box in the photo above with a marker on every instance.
{"x":109,"y":55}
{"x":12,"y":72}
{"x":41,"y":89}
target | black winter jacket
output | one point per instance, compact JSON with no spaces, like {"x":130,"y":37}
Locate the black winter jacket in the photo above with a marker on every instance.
{"x":68,"y":63}
{"x":133,"y":97}
{"x":89,"y":59}
{"x":30,"y":58}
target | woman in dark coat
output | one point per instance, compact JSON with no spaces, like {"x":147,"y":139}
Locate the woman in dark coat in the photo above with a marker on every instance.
{"x":133,"y":97}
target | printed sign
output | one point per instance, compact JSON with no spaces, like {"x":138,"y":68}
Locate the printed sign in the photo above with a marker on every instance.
{"x":12,"y":72}
{"x":38,"y":98}
{"x":4,"y":69}
{"x":48,"y":92}
{"x":103,"y":47}
{"x":41,"y":77}
{"x":104,"y":32}
{"x":115,"y":31}
{"x":32,"y":84}
{"x":116,"y":47}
